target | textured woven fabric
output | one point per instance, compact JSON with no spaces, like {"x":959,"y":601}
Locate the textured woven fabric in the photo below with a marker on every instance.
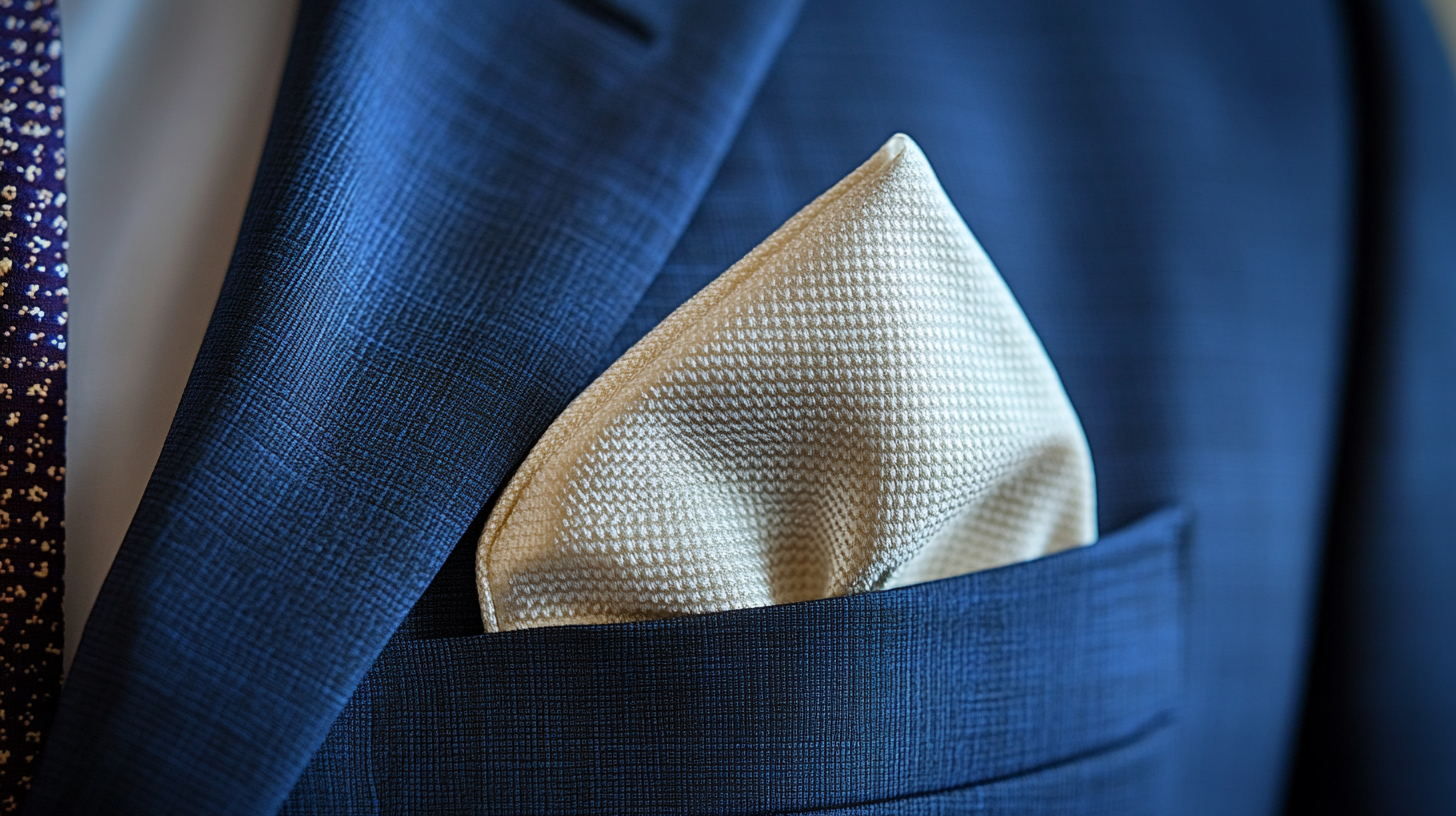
{"x":966,"y":692}
{"x":459,"y":205}
{"x":857,"y":404}
{"x":34,"y":299}
{"x":465,"y":208}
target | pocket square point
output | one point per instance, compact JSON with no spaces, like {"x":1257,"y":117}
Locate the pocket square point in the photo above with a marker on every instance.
{"x":857,"y":404}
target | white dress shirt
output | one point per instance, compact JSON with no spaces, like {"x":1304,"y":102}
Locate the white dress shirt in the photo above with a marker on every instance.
{"x":167,"y":106}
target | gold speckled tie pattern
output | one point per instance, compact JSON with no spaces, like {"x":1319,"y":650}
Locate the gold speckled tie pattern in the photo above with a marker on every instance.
{"x":33,"y":302}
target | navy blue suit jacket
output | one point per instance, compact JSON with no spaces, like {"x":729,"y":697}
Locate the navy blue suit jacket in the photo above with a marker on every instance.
{"x":1231,"y":222}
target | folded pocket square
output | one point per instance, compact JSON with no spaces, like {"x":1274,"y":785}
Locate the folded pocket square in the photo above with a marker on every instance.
{"x":857,"y":404}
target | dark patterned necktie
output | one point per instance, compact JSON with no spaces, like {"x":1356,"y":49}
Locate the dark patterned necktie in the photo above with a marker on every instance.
{"x":33,"y":299}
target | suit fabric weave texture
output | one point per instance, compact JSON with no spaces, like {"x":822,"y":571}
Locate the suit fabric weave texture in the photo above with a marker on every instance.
{"x":466,"y":212}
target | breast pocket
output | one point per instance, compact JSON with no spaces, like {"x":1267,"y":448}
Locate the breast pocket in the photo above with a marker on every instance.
{"x":1031,"y":688}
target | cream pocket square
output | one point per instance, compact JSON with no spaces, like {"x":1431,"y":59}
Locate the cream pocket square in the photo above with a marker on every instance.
{"x":858,"y":404}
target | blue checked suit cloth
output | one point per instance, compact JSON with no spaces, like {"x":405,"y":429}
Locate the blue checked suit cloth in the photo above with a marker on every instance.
{"x":1228,"y":221}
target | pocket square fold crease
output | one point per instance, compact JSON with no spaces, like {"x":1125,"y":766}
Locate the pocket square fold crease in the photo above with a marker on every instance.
{"x":858,"y":404}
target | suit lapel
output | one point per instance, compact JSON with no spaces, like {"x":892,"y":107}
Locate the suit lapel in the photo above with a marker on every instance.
{"x":457,"y":209}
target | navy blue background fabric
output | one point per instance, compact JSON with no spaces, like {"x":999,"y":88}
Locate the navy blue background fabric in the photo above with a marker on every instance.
{"x":1168,"y":191}
{"x":875,"y":698}
{"x":457,"y":207}
{"x":458,"y":210}
{"x":1379,"y":734}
